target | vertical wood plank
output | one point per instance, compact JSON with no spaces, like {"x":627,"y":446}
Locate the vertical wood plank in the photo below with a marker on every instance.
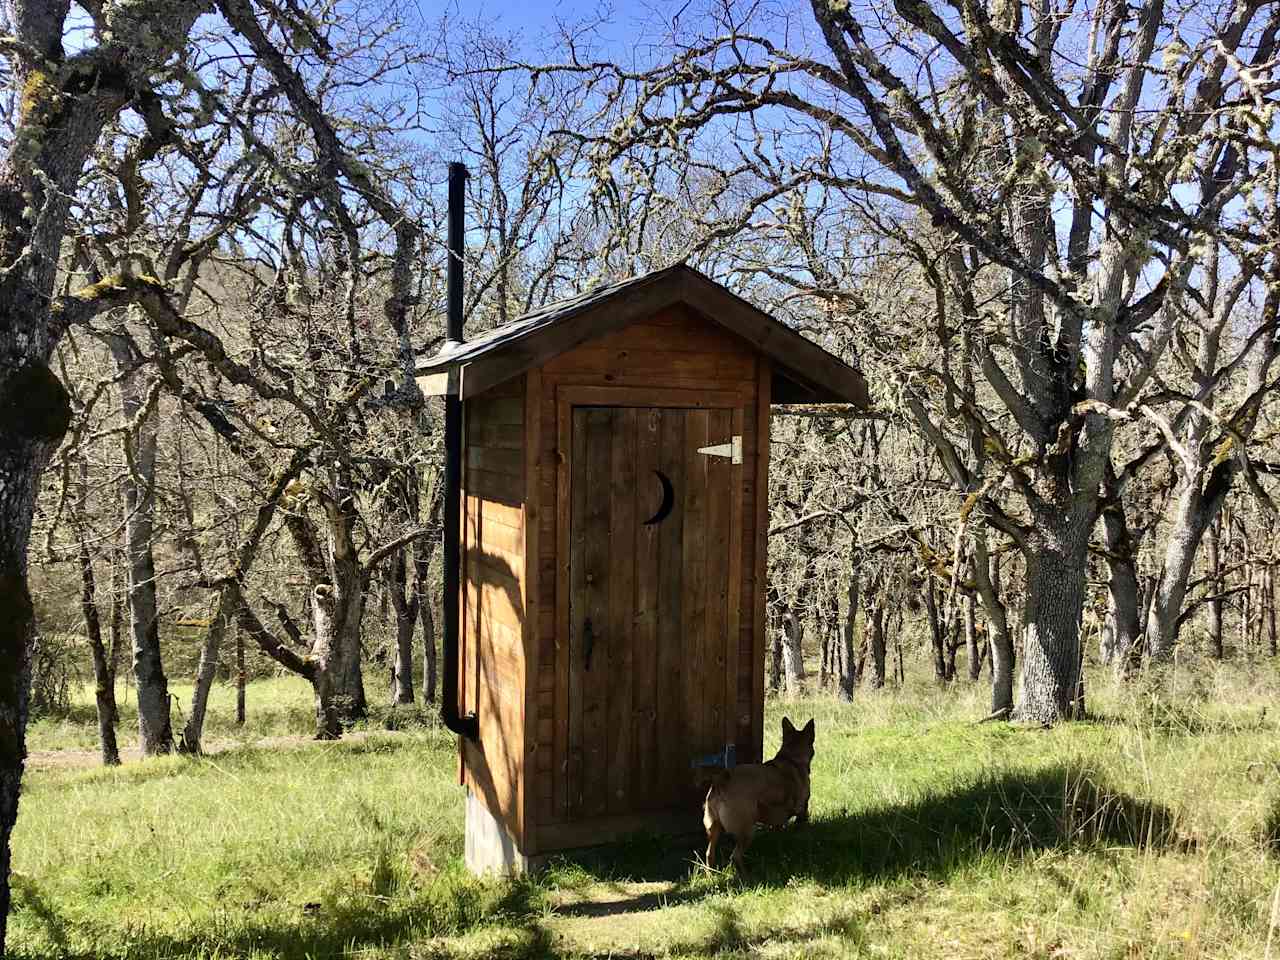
{"x":573,"y":497}
{"x":645,"y":705}
{"x":556,"y":552}
{"x":715,"y":560}
{"x":531,"y":705}
{"x":621,"y":559}
{"x":672,"y":743}
{"x":733,"y":592}
{"x":590,"y":604}
{"x":747,"y":601}
{"x":694,"y":577}
{"x":761,"y":555}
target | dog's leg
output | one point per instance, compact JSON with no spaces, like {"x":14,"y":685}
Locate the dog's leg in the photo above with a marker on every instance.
{"x":743,"y":839}
{"x":713,"y":837}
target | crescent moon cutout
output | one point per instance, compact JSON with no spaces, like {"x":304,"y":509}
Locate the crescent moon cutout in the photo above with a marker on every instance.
{"x":668,"y":500}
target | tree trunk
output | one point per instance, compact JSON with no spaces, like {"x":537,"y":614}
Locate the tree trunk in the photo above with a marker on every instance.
{"x":1192,"y":515}
{"x":339,"y":687}
{"x":1080,"y":705}
{"x":406,"y":610}
{"x":34,"y":414}
{"x":402,"y":672}
{"x":104,"y":681}
{"x":54,"y":130}
{"x":1246,"y":594}
{"x":846,"y":668}
{"x":1212,"y":539}
{"x":1269,"y":608}
{"x":874,"y":632}
{"x":240,"y":677}
{"x":1121,"y":644}
{"x":193,"y":731}
{"x":428,"y":647}
{"x":154,"y":730}
{"x":901,"y":671}
{"x":35,"y":410}
{"x":986,"y":571}
{"x":1055,"y":564}
{"x":954,"y":641}
{"x":972,"y":653}
{"x":937,"y":634}
{"x":792,"y":655}
{"x":775,"y":658}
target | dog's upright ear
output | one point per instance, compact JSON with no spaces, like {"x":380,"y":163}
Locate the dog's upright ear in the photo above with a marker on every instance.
{"x":788,"y":728}
{"x":808,"y":730}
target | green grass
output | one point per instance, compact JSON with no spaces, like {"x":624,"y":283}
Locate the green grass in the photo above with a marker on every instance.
{"x":278,"y":707}
{"x":1149,"y":832}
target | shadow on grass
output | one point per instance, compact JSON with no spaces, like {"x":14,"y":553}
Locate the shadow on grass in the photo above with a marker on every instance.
{"x":1010,"y":814}
{"x":1057,"y":807}
{"x":452,"y":904}
{"x":729,"y":936}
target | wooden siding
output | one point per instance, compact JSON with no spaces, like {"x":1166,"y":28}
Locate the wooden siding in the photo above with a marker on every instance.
{"x":675,"y":350}
{"x":494,"y":601}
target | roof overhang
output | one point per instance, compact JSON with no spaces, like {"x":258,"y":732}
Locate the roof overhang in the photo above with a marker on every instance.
{"x":803,"y":371}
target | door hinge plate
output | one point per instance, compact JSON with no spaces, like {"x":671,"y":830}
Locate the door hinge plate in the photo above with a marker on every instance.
{"x":732,"y":449}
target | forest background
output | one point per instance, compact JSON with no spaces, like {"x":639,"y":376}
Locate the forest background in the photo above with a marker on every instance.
{"x":1046,"y":233}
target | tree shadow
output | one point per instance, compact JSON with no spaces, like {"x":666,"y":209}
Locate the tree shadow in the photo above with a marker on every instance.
{"x":453,"y":905}
{"x":1057,"y":807}
{"x":1061,"y":806}
{"x":730,"y":935}
{"x":27,"y":894}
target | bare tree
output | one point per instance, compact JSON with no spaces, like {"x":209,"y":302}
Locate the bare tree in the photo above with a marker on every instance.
{"x":937,"y":89}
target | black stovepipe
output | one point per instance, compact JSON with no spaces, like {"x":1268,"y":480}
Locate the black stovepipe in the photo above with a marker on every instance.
{"x":465,"y":725}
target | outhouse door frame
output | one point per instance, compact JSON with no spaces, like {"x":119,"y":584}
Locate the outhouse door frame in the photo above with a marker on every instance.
{"x":571,"y":397}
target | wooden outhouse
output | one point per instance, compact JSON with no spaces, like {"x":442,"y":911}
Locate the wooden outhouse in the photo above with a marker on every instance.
{"x":614,"y":512}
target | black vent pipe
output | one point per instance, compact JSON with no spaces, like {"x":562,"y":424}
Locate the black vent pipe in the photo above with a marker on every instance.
{"x":450,"y":709}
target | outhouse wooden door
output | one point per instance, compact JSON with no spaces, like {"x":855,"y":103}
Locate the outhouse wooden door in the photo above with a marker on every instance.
{"x":654,"y":567}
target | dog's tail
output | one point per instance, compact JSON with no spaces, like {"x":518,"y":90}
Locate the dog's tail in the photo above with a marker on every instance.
{"x":718,"y":779}
{"x":710,"y":813}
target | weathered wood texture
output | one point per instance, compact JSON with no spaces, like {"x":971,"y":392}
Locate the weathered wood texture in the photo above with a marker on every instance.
{"x":559,"y":477}
{"x":494,"y":604}
{"x":805,"y":373}
{"x":673,"y":606}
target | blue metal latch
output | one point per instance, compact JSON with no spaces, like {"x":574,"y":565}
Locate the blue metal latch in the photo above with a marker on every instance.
{"x":724,"y":758}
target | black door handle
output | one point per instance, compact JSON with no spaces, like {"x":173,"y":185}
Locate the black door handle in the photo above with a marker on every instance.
{"x":588,"y":642}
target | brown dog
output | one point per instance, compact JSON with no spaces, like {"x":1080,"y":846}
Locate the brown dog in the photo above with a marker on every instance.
{"x":769,"y":793}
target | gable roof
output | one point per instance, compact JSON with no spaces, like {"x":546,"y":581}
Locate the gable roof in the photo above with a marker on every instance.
{"x":803,"y":371}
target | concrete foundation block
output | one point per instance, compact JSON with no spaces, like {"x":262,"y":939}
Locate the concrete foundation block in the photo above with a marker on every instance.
{"x":489,"y":848}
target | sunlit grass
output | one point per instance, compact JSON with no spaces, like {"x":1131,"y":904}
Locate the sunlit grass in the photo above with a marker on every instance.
{"x":1148,"y":831}
{"x":281,"y":706}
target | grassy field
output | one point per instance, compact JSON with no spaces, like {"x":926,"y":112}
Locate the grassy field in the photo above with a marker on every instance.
{"x":1150,"y":831}
{"x":274,"y":708}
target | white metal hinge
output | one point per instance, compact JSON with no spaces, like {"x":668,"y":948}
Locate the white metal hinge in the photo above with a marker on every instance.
{"x":732,"y":450}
